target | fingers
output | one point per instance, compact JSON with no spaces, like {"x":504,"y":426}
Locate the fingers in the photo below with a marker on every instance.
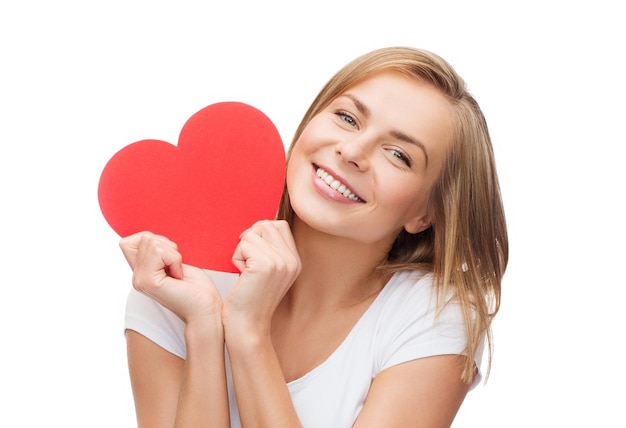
{"x":130,"y":245}
{"x":267,"y":245}
{"x":277,"y":233}
{"x":151,"y":257}
{"x":284,"y":231}
{"x":194,"y":298}
{"x":159,"y":273}
{"x":269,"y":264}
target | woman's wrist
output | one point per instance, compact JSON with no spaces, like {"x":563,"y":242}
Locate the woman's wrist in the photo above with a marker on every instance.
{"x":245,"y":335}
{"x":208,"y":329}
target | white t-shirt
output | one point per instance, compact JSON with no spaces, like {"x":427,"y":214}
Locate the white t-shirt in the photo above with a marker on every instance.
{"x":399,"y":326}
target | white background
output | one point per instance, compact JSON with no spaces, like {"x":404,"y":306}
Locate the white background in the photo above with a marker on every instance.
{"x":80,"y":80}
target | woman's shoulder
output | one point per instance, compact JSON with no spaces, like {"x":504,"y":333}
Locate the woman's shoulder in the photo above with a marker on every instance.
{"x":409,"y":284}
{"x":413,"y":321}
{"x":411,"y":297}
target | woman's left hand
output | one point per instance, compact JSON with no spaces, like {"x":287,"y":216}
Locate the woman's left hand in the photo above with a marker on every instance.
{"x":269,"y":264}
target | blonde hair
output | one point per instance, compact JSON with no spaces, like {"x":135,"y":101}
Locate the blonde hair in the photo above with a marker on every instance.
{"x":466,"y":247}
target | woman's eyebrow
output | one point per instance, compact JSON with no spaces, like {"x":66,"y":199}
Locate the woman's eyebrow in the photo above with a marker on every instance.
{"x":362,"y":108}
{"x":404,"y":137}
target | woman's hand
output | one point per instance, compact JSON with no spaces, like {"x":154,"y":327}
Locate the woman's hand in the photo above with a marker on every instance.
{"x":168,"y":393}
{"x":158,"y":272}
{"x":269,"y":264}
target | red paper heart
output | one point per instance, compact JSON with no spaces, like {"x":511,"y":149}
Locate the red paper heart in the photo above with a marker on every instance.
{"x":226,"y":173}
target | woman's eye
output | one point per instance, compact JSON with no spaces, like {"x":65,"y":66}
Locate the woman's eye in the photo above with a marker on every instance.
{"x":401,"y":156}
{"x":348,"y":118}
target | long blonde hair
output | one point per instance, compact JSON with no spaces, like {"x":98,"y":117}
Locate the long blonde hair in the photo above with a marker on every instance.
{"x":466,"y":247}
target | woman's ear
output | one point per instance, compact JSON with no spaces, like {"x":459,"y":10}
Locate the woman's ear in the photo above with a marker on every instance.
{"x":418,"y":224}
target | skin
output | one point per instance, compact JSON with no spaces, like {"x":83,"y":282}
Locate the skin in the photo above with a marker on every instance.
{"x":295,"y":301}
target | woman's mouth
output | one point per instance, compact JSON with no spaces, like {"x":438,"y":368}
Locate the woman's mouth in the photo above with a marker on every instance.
{"x":336,"y":185}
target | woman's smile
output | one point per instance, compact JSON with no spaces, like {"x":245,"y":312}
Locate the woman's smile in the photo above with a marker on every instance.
{"x":332,"y":186}
{"x":369,"y":159}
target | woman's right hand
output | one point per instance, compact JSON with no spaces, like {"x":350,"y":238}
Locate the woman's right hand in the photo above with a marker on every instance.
{"x":158,"y":272}
{"x":169,"y":391}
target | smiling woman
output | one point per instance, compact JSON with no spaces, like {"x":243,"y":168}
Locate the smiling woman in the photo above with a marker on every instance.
{"x":385,"y":140}
{"x":369,"y":300}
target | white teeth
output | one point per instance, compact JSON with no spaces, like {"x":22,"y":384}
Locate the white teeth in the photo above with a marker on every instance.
{"x":336,"y":184}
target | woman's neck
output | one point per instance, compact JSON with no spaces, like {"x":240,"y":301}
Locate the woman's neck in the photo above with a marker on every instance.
{"x":336,"y":272}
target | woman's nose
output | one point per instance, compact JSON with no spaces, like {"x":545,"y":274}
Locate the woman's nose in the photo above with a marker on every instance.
{"x":355,"y":151}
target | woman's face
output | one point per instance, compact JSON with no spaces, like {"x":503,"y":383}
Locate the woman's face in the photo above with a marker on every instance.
{"x":363,"y":167}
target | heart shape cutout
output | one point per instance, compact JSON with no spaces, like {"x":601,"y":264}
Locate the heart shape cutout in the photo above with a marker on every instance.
{"x":226,"y":173}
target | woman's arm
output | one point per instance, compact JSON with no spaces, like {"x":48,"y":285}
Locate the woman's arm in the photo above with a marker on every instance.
{"x":169,"y":391}
{"x":262,"y":395}
{"x":203,"y":400}
{"x":269,"y":263}
{"x":423,"y":393}
{"x":155,"y":376}
{"x":172,"y":392}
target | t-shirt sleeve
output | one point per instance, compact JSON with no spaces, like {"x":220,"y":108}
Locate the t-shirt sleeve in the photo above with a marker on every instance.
{"x":150,"y":319}
{"x":413,"y":326}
